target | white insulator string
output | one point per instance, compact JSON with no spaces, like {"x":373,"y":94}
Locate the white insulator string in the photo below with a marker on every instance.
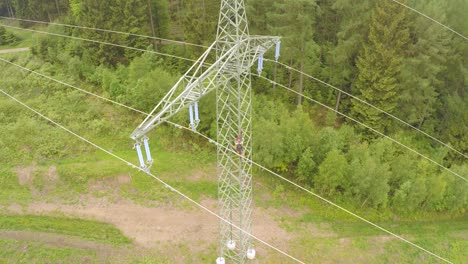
{"x":274,"y":173}
{"x":152,"y":175}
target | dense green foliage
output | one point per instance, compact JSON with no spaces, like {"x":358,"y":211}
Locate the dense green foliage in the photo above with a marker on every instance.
{"x":7,"y":38}
{"x":376,"y":50}
{"x":379,"y":64}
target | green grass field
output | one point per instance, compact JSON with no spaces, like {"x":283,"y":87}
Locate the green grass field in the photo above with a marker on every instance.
{"x":26,"y":39}
{"x":356,"y":239}
{"x":86,"y":229}
{"x":33,"y":252}
{"x":318,"y":232}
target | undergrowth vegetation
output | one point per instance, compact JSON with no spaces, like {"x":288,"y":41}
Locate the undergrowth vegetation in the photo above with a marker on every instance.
{"x":423,"y":82}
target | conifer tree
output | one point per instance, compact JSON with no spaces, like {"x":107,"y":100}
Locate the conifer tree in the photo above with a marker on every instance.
{"x":200,"y":20}
{"x":123,"y":15}
{"x":354,"y":16}
{"x":380,"y":64}
{"x":426,"y":60}
{"x":160,"y":11}
{"x":294,"y":22}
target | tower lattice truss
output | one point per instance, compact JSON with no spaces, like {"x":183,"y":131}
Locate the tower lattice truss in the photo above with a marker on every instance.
{"x":235,"y":51}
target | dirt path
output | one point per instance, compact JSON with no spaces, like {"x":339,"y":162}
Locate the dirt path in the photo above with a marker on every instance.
{"x":5,"y":51}
{"x":149,"y":227}
{"x":146,"y":226}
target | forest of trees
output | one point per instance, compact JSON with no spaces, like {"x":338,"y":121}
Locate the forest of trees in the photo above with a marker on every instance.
{"x":374,"y":49}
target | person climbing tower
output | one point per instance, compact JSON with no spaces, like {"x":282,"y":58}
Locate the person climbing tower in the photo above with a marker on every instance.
{"x":239,"y":145}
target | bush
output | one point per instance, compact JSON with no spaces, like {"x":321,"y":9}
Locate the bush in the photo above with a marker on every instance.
{"x":7,"y":38}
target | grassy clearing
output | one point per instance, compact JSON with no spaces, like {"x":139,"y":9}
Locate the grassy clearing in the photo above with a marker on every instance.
{"x":86,"y":229}
{"x":76,"y":174}
{"x":10,"y":189}
{"x":354,"y":241}
{"x":26,"y":39}
{"x":32,"y":252}
{"x":343,"y":237}
{"x":380,"y":248}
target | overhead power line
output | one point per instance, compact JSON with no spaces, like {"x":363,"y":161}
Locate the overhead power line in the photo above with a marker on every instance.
{"x":254,"y":163}
{"x":152,"y":175}
{"x":105,"y":30}
{"x":370,"y":105}
{"x":338,"y":112}
{"x":430,"y":18}
{"x":99,"y":42}
{"x":368,"y":127}
{"x":191,"y":60}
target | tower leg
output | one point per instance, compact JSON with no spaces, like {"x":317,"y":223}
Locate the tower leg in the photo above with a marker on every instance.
{"x":234,"y":173}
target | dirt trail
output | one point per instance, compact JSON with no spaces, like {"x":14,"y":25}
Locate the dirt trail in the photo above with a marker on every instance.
{"x":146,"y":226}
{"x":5,"y":51}
{"x":150,"y":226}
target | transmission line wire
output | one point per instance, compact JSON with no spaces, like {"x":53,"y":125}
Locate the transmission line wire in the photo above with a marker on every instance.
{"x":317,"y":102}
{"x":282,"y":64}
{"x":152,"y":175}
{"x":430,"y":18}
{"x":71,"y":86}
{"x":368,"y":127}
{"x":104,"y":30}
{"x":371,"y":105}
{"x":100,"y":42}
{"x":260,"y":166}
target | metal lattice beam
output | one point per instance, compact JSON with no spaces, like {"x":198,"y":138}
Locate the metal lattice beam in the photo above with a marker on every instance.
{"x":236,"y":51}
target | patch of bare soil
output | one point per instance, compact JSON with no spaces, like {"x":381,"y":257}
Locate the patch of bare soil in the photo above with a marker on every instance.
{"x":5,"y":51}
{"x":462,"y":234}
{"x":124,"y":179}
{"x":146,"y":226}
{"x":206,"y":175}
{"x":266,"y":227}
{"x":378,"y":243}
{"x":322,"y":231}
{"x":106,"y":189}
{"x":345,"y":241}
{"x":52,"y":174}
{"x":26,"y":174}
{"x":151,"y":226}
{"x":15,"y":208}
{"x":383,"y":238}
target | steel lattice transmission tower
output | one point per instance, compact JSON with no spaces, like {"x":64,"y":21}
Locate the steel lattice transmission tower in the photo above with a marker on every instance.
{"x":230,"y":75}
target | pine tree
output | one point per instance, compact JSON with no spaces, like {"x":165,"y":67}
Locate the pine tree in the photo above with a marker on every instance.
{"x":294,"y":21}
{"x":380,"y":64}
{"x":259,"y":13}
{"x":421,"y":74}
{"x":7,"y":38}
{"x":354,"y":16}
{"x":160,"y":11}
{"x":2,"y":36}
{"x":452,"y":107}
{"x":126,"y":16}
{"x":200,"y":20}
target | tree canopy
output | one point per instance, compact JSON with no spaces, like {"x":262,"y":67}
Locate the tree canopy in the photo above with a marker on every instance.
{"x":379,"y":51}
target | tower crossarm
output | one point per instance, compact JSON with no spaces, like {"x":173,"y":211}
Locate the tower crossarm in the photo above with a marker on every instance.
{"x":257,"y":46}
{"x":201,"y":79}
{"x":198,"y":81}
